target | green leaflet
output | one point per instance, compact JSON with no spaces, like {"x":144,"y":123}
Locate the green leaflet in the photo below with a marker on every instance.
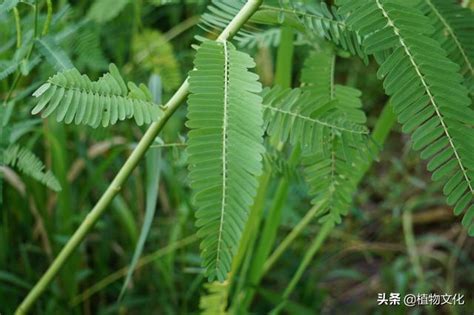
{"x":331,"y":167}
{"x":454,"y":26}
{"x":426,"y":90}
{"x":302,"y":117}
{"x":225,"y":149}
{"x":327,"y":121}
{"x":29,"y":164}
{"x":317,"y":18}
{"x":327,"y":23}
{"x":74,"y":97}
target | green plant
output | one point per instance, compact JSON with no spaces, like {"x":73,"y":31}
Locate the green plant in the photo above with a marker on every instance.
{"x":224,"y":159}
{"x":74,"y":97}
{"x":438,"y":114}
{"x":247,"y":147}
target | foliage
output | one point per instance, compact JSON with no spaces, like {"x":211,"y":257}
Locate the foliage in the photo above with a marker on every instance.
{"x":74,"y":97}
{"x":29,"y":164}
{"x":453,"y":29}
{"x":224,"y":159}
{"x":435,"y":111}
{"x":253,"y":188}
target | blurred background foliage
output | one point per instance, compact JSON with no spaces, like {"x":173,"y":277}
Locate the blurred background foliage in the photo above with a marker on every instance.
{"x":399,"y":237}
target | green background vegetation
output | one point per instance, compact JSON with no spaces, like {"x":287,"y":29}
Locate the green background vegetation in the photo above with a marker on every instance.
{"x":399,"y":234}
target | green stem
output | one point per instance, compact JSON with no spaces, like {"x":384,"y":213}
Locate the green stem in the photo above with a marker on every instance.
{"x":49,"y":16}
{"x":284,"y":63}
{"x":410,"y":242}
{"x":309,"y":216}
{"x":269,"y":232}
{"x":237,"y":22}
{"x":16,"y":15}
{"x":315,"y":246}
{"x":18,"y":72}
{"x":384,"y":124}
{"x":12,"y":88}
{"x":381,"y":130}
{"x":36,"y":20}
{"x":103,"y":202}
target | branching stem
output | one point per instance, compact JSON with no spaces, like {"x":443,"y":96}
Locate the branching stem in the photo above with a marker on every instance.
{"x":171,"y":106}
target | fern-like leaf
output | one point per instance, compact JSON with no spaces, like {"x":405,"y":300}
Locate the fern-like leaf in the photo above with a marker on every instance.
{"x":225,"y":149}
{"x":331,"y":168}
{"x":327,"y":23}
{"x":454,"y":28}
{"x":317,"y":19}
{"x":327,"y":120}
{"x":29,"y":164}
{"x":427,"y":93}
{"x":74,"y":97}
{"x":297,"y":116}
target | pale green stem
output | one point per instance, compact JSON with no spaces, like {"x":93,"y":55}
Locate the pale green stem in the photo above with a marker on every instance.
{"x":326,"y":228}
{"x":16,"y":15}
{"x":49,"y":16}
{"x":18,"y":73}
{"x":237,"y":22}
{"x":309,"y":216}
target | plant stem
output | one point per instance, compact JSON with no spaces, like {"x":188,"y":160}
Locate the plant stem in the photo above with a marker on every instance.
{"x":49,"y":16}
{"x":381,"y":130}
{"x":237,"y":22}
{"x":384,"y":124}
{"x":103,"y":202}
{"x":284,"y":62}
{"x":16,"y":15}
{"x":308,"y":217}
{"x":315,"y":245}
{"x":25,"y":60}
